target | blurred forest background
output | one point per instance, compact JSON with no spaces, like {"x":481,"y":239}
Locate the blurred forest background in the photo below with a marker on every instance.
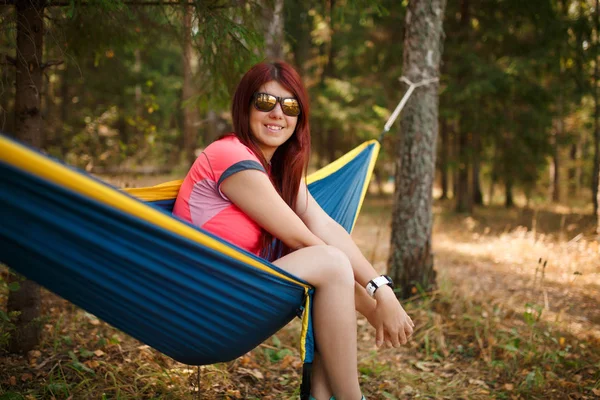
{"x":133,"y":90}
{"x":138,"y":89}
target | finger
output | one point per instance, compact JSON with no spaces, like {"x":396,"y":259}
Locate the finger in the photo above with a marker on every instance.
{"x":411,"y":322}
{"x":394,"y":339}
{"x":402,"y":336}
{"x":388,"y":344}
{"x":379,"y":336}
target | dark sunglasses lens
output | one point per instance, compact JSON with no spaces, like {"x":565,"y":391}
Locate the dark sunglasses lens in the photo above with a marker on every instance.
{"x":291,"y":107}
{"x":265,"y":102}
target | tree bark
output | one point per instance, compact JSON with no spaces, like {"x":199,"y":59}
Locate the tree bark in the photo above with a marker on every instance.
{"x":509,"y":201}
{"x":411,"y":257}
{"x":445,"y":147}
{"x":274,"y":35}
{"x":28,"y":127}
{"x":190,"y":112}
{"x":558,"y":133}
{"x":464,"y":194}
{"x":596,"y":167}
{"x":6,"y":118}
{"x":476,"y":182}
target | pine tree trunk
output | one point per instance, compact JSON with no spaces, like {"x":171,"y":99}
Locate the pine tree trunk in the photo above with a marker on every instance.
{"x":6,"y":119}
{"x":64,"y":109}
{"x":572,"y":171}
{"x":509,"y":201}
{"x":476,"y":182}
{"x":445,"y":147}
{"x":509,"y":170}
{"x":464,"y":194}
{"x":190,"y":111}
{"x":274,"y":37}
{"x":301,"y":46}
{"x":28,"y":126}
{"x":558,"y":133}
{"x":464,"y":197}
{"x":596,"y":166}
{"x":411,"y":257}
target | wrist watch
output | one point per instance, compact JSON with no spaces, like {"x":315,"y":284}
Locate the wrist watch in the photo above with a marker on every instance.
{"x":378,"y":282}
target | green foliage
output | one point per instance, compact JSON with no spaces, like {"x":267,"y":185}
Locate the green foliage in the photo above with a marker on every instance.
{"x":510,"y":72}
{"x":7,"y":325}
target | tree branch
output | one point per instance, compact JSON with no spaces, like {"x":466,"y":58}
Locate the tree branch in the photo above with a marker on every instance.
{"x":127,"y":3}
{"x":51,"y":63}
{"x":8,"y":60}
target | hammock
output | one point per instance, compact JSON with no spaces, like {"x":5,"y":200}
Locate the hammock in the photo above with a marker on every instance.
{"x":122,"y":256}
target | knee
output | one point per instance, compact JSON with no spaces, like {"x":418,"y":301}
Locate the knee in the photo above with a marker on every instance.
{"x":336,"y":266}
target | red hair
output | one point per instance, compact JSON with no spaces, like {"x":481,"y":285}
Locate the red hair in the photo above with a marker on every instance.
{"x":290,"y":160}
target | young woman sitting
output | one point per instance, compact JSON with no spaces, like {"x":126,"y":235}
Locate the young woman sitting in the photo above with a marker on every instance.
{"x":248,"y":187}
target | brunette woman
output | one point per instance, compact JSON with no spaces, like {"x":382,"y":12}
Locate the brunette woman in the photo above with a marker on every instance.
{"x":248,"y":188}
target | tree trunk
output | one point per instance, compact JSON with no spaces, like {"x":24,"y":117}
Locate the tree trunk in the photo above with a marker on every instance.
{"x":411,"y":257}
{"x":558,"y":133}
{"x":509,"y":169}
{"x":28,"y":126}
{"x":6,"y":118}
{"x":301,"y":24}
{"x":476,"y":182}
{"x":63,"y":141}
{"x":509,"y":202}
{"x":596,"y":166}
{"x":445,"y":147}
{"x":190,"y":112}
{"x":464,"y":194}
{"x":574,"y":167}
{"x":464,"y":197}
{"x":274,"y":37}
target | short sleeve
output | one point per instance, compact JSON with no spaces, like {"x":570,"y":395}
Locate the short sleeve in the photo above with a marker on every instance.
{"x":229,"y":156}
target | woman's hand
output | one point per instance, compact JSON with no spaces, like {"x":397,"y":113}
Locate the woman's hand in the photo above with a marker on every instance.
{"x":392,"y":324}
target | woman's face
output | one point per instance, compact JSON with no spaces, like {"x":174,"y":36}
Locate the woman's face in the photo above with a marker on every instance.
{"x":271,"y":129}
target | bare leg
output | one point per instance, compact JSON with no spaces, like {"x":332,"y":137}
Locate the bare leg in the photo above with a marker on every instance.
{"x":320,"y":383}
{"x":334,"y":316}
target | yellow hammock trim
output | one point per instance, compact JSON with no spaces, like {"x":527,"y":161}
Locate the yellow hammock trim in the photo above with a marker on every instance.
{"x":345,"y":159}
{"x":169,"y":190}
{"x":28,"y":160}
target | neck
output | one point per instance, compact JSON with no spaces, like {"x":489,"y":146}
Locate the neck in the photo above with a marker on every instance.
{"x":267,"y":153}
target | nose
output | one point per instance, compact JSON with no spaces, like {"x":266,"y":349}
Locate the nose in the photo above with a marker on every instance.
{"x":276,"y":112}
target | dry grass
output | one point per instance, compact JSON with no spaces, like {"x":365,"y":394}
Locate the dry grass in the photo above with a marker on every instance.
{"x":500,"y":325}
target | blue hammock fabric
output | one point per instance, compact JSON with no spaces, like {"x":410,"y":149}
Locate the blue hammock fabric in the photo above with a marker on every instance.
{"x":177,"y":288}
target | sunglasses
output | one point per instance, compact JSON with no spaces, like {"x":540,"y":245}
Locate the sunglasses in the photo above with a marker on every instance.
{"x":265,"y":102}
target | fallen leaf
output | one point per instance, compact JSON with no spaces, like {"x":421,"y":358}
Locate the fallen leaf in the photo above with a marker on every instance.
{"x":596,"y":392}
{"x":425,"y":366}
{"x":509,"y":386}
{"x":99,"y":353}
{"x":252,"y":372}
{"x":12,"y":381}
{"x":35,"y":354}
{"x":478,"y":382}
{"x":26,"y":377}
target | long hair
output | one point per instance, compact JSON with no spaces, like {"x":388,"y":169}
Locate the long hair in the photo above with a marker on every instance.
{"x":290,"y":160}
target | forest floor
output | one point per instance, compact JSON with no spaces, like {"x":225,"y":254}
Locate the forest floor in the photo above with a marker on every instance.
{"x":516,"y":316}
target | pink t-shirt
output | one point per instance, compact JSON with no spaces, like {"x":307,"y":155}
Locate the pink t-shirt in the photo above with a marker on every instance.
{"x":201,"y":202}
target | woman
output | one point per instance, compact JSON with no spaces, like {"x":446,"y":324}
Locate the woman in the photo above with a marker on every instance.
{"x":248,"y":188}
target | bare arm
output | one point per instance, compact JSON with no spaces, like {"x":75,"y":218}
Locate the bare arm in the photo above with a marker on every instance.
{"x":384,"y":312}
{"x":253,"y":193}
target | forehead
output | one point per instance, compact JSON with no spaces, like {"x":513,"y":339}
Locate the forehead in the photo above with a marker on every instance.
{"x":275,"y":88}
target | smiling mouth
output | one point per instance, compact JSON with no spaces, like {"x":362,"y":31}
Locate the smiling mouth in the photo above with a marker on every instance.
{"x":274,"y":127}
